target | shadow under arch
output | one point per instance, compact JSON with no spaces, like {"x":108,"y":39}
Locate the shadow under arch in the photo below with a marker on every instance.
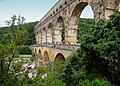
{"x":46,"y":58}
{"x":50,"y":33}
{"x":40,"y":55}
{"x":59,"y":60}
{"x":40,"y":58}
{"x":36,"y":57}
{"x":58,"y":30}
{"x":59,"y":57}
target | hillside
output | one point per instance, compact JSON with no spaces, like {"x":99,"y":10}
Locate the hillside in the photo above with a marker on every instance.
{"x":30,"y":33}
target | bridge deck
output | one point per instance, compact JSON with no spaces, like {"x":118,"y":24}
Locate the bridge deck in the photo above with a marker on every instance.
{"x":68,"y":47}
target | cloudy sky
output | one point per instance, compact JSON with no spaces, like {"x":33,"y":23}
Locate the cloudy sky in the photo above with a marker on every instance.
{"x":32,"y":10}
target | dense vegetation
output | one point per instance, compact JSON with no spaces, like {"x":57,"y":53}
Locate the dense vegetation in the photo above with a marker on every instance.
{"x":13,"y":38}
{"x":30,"y":33}
{"x":95,"y":63}
{"x":84,"y":28}
{"x":30,"y":37}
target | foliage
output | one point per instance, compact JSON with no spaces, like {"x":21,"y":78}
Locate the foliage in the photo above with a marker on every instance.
{"x":95,"y":63}
{"x":24,"y":50}
{"x":13,"y":38}
{"x":84,"y":28}
{"x":98,"y":55}
{"x":95,"y":82}
{"x":102,"y":49}
{"x":54,"y":77}
{"x":31,"y":36}
{"x":32,"y":58}
{"x":30,"y":40}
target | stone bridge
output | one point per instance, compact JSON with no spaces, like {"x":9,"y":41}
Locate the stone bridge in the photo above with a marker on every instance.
{"x":52,"y":52}
{"x":65,"y":13}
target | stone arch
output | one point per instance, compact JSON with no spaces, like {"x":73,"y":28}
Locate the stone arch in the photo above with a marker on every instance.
{"x":36,"y":56}
{"x":85,"y":14}
{"x":35,"y":51}
{"x":46,"y":57}
{"x":50,"y":33}
{"x":40,"y":54}
{"x":58,"y":30}
{"x":76,"y":12}
{"x":59,"y":57}
{"x":74,"y":19}
{"x":77,"y":9}
{"x":43,"y":37}
{"x":40,"y":58}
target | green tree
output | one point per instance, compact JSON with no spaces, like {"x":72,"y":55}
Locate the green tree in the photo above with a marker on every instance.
{"x":84,"y":28}
{"x":54,"y":77}
{"x":98,"y":56}
{"x":13,"y":38}
{"x":102,"y":48}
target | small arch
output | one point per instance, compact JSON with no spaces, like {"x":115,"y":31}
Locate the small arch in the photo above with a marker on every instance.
{"x":51,"y":15}
{"x":60,"y":7}
{"x":65,"y":2}
{"x":50,"y":25}
{"x":53,"y":12}
{"x":57,"y":10}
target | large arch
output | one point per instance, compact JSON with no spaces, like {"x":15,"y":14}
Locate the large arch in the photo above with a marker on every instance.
{"x":87,"y":12}
{"x":58,"y":30}
{"x":50,"y":33}
{"x":43,"y":35}
{"x":74,"y":19}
